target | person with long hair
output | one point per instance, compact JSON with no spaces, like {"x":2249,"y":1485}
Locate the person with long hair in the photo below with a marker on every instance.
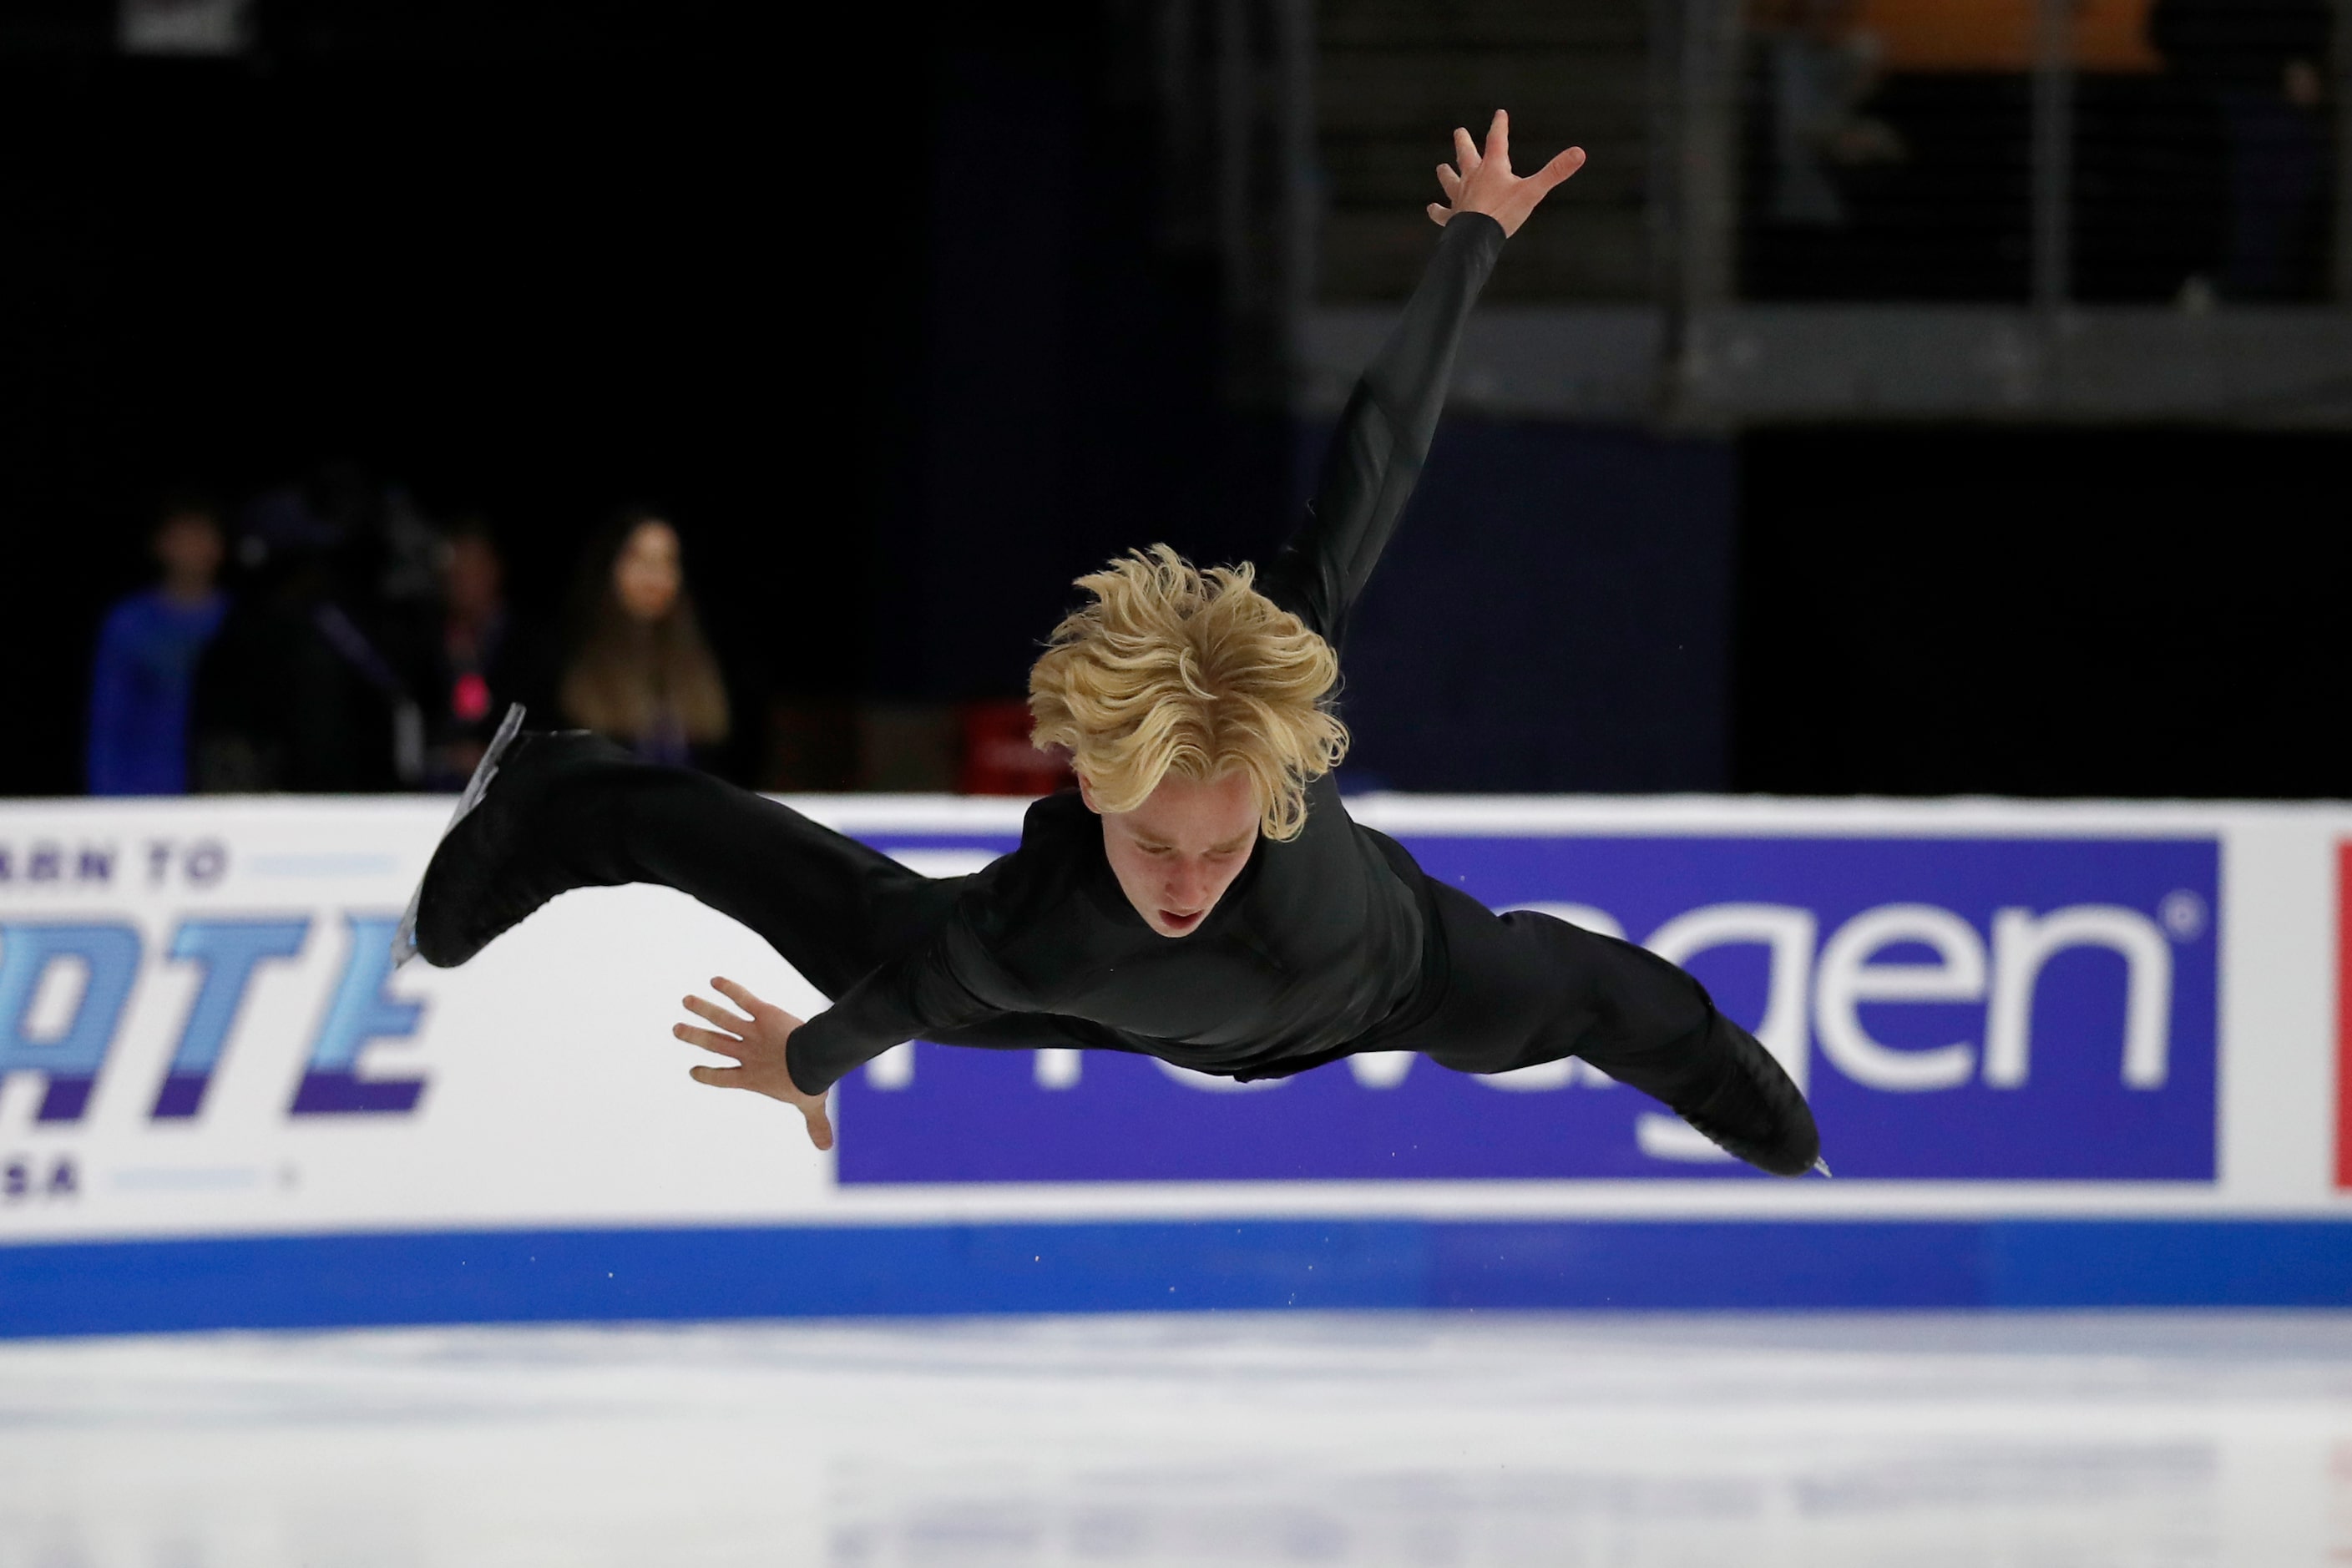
{"x":640,"y":671}
{"x":1202,"y":897}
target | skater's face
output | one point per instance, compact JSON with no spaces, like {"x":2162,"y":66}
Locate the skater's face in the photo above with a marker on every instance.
{"x":1177,"y":853}
{"x":646,"y":575}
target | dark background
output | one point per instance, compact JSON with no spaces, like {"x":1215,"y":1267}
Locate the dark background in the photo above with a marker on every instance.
{"x":2144,"y":612}
{"x":889,"y":316}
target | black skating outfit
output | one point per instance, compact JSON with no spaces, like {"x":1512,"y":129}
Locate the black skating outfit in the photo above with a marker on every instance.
{"x":1330,"y":943}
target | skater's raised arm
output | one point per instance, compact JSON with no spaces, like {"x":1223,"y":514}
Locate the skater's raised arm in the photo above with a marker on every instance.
{"x":1383,"y":437}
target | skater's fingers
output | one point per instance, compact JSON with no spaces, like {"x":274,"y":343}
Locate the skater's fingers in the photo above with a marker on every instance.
{"x":1498,"y":139}
{"x":820,"y":1128}
{"x":1438,"y":213}
{"x":1559,"y":168}
{"x":720,"y":1078}
{"x":1466,"y":151}
{"x":1448,"y":181}
{"x":739,"y":995}
{"x":709,"y":1040}
{"x":717,"y":1014}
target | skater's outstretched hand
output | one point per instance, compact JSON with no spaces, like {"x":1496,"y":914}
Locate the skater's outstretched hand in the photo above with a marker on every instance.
{"x":757,"y":1043}
{"x":1485,"y":184}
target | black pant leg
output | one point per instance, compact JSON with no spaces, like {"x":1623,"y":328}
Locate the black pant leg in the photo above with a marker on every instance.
{"x":1524,"y":988}
{"x":833,"y":908}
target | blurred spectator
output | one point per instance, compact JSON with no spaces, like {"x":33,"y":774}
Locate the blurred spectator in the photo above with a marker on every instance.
{"x":146,"y":664}
{"x":2258,"y":63}
{"x":486,"y":657}
{"x":641,"y":670}
{"x":308,"y":686}
{"x":1819,"y":68}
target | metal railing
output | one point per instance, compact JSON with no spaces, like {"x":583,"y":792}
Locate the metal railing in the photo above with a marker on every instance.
{"x":2041,"y":328}
{"x":2095,"y":176}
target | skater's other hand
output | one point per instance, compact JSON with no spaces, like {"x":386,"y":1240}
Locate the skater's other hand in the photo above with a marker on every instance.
{"x":757,"y":1043}
{"x":1485,"y":184}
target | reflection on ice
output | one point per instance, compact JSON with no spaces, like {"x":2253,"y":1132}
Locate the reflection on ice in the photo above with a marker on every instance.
{"x":2111,"y":1440}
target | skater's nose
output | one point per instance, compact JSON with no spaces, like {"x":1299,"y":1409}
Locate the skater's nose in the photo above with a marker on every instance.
{"x":1192,"y":883}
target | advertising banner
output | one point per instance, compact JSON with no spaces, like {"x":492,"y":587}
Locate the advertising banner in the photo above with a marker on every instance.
{"x":2343,"y":1015}
{"x":2000,"y":1012}
{"x":1965,"y":1009}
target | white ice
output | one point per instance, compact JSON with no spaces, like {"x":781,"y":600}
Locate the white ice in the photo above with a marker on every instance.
{"x":1800,"y":1442}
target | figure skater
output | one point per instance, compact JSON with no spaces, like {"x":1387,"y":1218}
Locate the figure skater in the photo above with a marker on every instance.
{"x":1202,"y":897}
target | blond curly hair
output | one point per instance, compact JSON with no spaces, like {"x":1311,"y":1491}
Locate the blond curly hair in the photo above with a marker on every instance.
{"x":1172,"y":669}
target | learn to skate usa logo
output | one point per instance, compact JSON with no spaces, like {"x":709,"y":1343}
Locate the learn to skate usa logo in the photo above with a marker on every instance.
{"x":1955,"y":1009}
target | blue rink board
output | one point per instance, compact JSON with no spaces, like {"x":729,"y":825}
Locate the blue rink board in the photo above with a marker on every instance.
{"x":342,"y":1281}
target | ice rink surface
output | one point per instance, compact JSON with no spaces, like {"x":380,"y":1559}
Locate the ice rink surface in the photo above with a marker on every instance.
{"x":2033,"y":1441}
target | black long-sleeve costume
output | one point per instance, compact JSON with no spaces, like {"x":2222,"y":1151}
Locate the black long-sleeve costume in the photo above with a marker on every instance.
{"x":1332,"y":943}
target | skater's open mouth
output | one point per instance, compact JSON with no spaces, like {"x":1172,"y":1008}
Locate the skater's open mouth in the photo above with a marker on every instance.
{"x":1178,"y":923}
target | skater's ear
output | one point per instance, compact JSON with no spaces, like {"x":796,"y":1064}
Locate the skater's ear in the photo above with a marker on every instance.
{"x":1087,"y":794}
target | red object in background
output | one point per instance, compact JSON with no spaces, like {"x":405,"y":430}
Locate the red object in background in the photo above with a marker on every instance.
{"x":998,"y":758}
{"x":469,"y":698}
{"x":2343,"y":1015}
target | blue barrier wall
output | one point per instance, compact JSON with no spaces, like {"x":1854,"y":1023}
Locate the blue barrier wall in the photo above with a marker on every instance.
{"x":1255,"y":1265}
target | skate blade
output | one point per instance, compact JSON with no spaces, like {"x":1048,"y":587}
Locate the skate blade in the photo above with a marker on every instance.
{"x":404,"y":937}
{"x":1822,"y":1166}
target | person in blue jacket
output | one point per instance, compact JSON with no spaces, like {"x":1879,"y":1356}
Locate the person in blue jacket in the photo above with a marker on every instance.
{"x":146,"y":663}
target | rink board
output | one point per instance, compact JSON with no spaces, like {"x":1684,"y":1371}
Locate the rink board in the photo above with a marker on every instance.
{"x":2063,"y":1055}
{"x":970,"y":1269}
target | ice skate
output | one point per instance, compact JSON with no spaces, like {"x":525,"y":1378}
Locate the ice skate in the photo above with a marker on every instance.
{"x":485,"y":876}
{"x":404,"y":939}
{"x":1755,"y":1111}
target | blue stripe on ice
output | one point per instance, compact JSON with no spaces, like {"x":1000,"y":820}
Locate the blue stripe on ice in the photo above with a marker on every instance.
{"x":1036,"y":1267}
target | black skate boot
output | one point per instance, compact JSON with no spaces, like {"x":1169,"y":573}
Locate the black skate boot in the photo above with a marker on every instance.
{"x":489,"y":871}
{"x":1750,"y":1108}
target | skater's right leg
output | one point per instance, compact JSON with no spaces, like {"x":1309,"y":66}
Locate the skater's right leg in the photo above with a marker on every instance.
{"x":570,"y":810}
{"x":833,"y":907}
